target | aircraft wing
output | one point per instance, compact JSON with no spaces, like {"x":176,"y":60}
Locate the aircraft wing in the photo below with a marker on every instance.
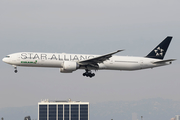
{"x":100,"y":59}
{"x":164,"y":61}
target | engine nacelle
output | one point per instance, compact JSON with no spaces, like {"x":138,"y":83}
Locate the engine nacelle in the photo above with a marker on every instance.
{"x":69,"y":67}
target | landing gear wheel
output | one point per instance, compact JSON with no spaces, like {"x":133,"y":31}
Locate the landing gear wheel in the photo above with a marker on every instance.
{"x":15,"y":71}
{"x":88,"y":74}
{"x":84,"y":74}
{"x":93,"y":74}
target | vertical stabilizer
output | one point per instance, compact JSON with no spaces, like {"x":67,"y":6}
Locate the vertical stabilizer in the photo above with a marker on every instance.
{"x":160,"y":51}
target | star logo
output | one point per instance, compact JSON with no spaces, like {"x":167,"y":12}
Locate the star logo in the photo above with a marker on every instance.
{"x":159,"y":51}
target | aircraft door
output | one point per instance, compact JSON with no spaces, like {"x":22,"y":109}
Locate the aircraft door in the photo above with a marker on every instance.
{"x":141,"y":64}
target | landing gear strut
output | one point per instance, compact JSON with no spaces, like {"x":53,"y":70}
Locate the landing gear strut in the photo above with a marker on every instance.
{"x":88,"y":73}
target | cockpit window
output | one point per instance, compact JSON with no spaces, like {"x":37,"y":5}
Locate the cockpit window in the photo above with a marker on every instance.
{"x":7,"y":56}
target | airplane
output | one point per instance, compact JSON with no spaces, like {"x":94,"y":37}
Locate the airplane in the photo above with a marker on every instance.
{"x":72,"y":62}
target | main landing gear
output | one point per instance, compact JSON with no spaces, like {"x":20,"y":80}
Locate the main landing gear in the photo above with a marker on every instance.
{"x":88,"y":73}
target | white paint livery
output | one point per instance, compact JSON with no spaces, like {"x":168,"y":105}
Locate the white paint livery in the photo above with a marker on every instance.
{"x":71,"y":62}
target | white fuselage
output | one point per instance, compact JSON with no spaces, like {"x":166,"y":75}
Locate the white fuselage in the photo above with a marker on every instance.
{"x":56,"y":60}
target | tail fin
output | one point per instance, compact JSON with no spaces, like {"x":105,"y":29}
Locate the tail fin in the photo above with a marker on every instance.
{"x":160,"y":51}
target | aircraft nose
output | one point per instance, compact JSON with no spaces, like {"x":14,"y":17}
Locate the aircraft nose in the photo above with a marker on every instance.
{"x":4,"y":60}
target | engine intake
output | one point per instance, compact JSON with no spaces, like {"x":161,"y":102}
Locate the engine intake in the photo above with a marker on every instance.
{"x":69,"y":67}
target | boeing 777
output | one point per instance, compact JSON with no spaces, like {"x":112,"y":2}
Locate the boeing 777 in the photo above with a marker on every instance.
{"x":71,"y":62}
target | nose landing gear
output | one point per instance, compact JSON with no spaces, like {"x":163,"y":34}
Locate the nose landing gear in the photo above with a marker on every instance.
{"x":88,"y":73}
{"x":15,"y":69}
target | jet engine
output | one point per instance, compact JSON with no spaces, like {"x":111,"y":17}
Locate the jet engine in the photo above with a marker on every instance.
{"x":69,"y":67}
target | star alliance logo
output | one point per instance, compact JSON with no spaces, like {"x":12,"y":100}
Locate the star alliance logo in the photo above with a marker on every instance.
{"x":159,"y":51}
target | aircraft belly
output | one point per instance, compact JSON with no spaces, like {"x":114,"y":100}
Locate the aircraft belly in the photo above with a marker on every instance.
{"x":123,"y":66}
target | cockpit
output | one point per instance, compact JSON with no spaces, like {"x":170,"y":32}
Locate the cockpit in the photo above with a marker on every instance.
{"x":7,"y":57}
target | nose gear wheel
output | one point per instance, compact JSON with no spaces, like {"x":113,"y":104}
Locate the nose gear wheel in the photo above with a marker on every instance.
{"x":15,"y":69}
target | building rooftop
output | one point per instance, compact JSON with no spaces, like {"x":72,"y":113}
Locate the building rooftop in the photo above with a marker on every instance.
{"x":58,"y":101}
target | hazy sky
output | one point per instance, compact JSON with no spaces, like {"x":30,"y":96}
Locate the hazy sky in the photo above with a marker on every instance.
{"x":93,"y":27}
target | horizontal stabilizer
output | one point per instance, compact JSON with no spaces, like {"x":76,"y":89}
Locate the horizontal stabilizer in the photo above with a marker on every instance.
{"x":164,"y":61}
